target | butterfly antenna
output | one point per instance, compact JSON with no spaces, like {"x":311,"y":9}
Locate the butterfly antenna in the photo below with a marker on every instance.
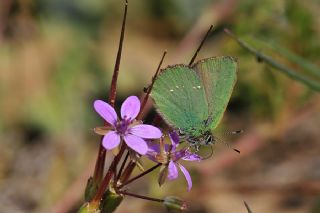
{"x":113,"y":88}
{"x":226,"y":144}
{"x":234,"y":132}
{"x":201,"y":44}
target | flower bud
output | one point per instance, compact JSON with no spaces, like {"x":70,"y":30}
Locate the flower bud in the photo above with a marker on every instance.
{"x":174,"y":204}
{"x":110,"y":201}
{"x":90,"y":190}
{"x":89,"y":208}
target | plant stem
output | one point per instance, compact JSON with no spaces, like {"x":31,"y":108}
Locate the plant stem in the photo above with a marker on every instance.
{"x":127,"y":172}
{"x":99,"y":167}
{"x":113,"y":88}
{"x":201,"y":44}
{"x":146,"y":97}
{"x":140,"y":196}
{"x":139,"y":176}
{"x":122,"y":165}
{"x":104,"y":184}
{"x":98,"y":170}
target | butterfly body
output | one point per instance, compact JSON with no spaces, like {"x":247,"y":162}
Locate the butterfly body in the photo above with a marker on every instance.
{"x":194,"y":98}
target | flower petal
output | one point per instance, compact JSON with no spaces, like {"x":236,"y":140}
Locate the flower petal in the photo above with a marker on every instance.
{"x":174,"y":137}
{"x":136,"y":143}
{"x":130,"y":108}
{"x":111,"y":140}
{"x":146,"y":131}
{"x":187,"y":176}
{"x":106,"y":111}
{"x":189,"y":156}
{"x":153,"y":150}
{"x":172,"y":171}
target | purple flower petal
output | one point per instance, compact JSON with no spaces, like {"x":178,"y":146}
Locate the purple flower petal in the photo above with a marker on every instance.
{"x":106,"y":111}
{"x":172,"y":171}
{"x":187,"y":176}
{"x":179,"y":154}
{"x":175,"y":139}
{"x":111,"y":140}
{"x":146,"y":131}
{"x":191,"y":157}
{"x":153,"y":150}
{"x":153,"y":147}
{"x":130,"y":108}
{"x":136,"y":143}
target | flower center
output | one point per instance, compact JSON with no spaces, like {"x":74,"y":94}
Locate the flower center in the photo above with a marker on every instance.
{"x":122,"y":126}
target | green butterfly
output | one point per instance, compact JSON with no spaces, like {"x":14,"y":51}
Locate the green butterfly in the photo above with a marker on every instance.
{"x":193,"y":98}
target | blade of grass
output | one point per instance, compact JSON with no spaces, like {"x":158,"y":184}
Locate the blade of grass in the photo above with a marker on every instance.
{"x":247,"y":206}
{"x":273,"y":63}
{"x":303,"y":63}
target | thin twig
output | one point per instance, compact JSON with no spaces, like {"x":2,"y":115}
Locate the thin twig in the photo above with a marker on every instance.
{"x":201,"y":44}
{"x":100,"y":162}
{"x":105,"y":182}
{"x":139,"y":176}
{"x":146,"y":97}
{"x":113,"y":88}
{"x":122,"y":165}
{"x":128,"y":171}
{"x":140,"y":196}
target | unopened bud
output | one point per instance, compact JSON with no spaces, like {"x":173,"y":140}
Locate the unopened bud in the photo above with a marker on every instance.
{"x":89,"y":208}
{"x":174,"y":204}
{"x":91,"y":189}
{"x":110,"y":201}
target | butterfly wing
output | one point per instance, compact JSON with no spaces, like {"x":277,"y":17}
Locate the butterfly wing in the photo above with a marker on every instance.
{"x":218,"y":76}
{"x":180,"y":98}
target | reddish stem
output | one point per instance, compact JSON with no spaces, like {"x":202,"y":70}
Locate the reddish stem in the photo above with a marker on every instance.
{"x":113,"y":88}
{"x":104,"y":184}
{"x":146,"y":97}
{"x":199,"y":48}
{"x":140,"y":196}
{"x":98,"y":171}
{"x":122,"y":165}
{"x":139,"y":176}
{"x":127,"y":172}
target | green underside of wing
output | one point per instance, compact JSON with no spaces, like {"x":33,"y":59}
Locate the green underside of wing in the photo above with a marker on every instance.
{"x":218,"y":76}
{"x":180,"y":98}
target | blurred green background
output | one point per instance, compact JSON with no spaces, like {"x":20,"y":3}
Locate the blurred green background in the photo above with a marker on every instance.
{"x":57,"y":57}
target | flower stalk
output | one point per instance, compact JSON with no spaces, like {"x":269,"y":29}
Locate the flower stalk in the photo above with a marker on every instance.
{"x":99,"y":167}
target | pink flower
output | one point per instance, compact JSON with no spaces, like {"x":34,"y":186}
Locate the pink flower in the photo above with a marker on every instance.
{"x":133,"y":135}
{"x":171,"y":158}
